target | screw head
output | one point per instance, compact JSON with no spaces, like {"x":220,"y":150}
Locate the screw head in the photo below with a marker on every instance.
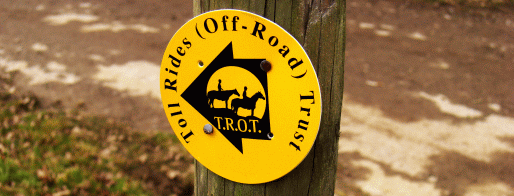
{"x":207,"y":128}
{"x":270,"y":135}
{"x":265,"y":65}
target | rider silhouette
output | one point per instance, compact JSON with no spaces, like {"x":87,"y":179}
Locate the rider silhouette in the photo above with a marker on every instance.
{"x":219,"y":85}
{"x":244,"y":94}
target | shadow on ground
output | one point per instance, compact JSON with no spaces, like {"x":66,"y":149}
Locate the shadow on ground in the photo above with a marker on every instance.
{"x":462,"y":53}
{"x":456,"y":172}
{"x":348,"y":174}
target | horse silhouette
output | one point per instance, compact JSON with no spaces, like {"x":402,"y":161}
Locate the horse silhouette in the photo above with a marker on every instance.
{"x":220,"y":95}
{"x":248,"y":103}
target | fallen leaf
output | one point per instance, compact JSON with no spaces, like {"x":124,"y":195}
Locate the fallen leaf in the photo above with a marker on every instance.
{"x":143,"y":158}
{"x":172,"y":174}
{"x":62,"y":193}
{"x":41,"y":174}
{"x":3,"y":149}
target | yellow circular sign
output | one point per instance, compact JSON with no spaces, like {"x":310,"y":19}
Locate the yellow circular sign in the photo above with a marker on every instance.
{"x":215,"y":74}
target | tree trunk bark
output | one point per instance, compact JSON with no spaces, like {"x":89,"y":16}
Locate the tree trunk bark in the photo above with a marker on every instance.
{"x":319,"y":25}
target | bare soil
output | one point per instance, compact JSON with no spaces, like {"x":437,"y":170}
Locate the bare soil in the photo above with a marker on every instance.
{"x":465,"y":54}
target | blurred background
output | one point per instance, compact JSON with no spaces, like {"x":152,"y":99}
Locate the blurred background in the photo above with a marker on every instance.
{"x":428,"y":104}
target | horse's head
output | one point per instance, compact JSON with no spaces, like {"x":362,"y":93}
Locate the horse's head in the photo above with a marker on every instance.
{"x":259,"y":95}
{"x":235,"y":92}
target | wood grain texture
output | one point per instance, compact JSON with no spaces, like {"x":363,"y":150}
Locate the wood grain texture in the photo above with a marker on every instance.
{"x":201,"y":182}
{"x":216,"y":184}
{"x":241,"y":4}
{"x":325,"y":161}
{"x":220,"y":4}
{"x":269,"y":9}
{"x":319,"y":26}
{"x":283,"y":14}
{"x":258,"y":6}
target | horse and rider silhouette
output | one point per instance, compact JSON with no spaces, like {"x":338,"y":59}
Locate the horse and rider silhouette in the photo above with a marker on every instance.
{"x":220,"y":94}
{"x":246,"y":102}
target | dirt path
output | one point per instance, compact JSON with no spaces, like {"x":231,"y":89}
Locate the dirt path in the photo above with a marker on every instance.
{"x":100,"y":57}
{"x":428,"y":108}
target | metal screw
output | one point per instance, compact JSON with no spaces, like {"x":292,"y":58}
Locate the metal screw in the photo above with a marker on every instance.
{"x":200,"y":63}
{"x":270,"y":135}
{"x":265,"y":66}
{"x":207,"y":128}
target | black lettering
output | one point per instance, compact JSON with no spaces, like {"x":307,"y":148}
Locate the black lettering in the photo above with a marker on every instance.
{"x":308,"y":110}
{"x":170,"y":85}
{"x":301,"y":75}
{"x":308,"y":97}
{"x":274,"y":40}
{"x":299,"y":136}
{"x":174,"y":61}
{"x":187,"y":135}
{"x":300,"y":126}
{"x":293,"y":63}
{"x":259,"y":28}
{"x":294,"y":145}
{"x":234,"y":20}
{"x":207,"y":26}
{"x":224,"y":20}
{"x":198,"y":32}
{"x":180,"y":51}
{"x":284,"y":51}
{"x":182,"y":123}
{"x":187,"y":43}
{"x":175,"y":113}
{"x":171,"y":71}
{"x":173,"y":105}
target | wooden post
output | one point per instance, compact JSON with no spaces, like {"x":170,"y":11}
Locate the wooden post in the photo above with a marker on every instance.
{"x":319,"y":25}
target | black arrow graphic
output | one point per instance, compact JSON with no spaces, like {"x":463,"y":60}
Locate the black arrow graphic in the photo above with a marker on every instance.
{"x":226,"y":119}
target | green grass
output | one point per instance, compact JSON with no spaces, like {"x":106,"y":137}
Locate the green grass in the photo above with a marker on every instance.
{"x":47,"y":151}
